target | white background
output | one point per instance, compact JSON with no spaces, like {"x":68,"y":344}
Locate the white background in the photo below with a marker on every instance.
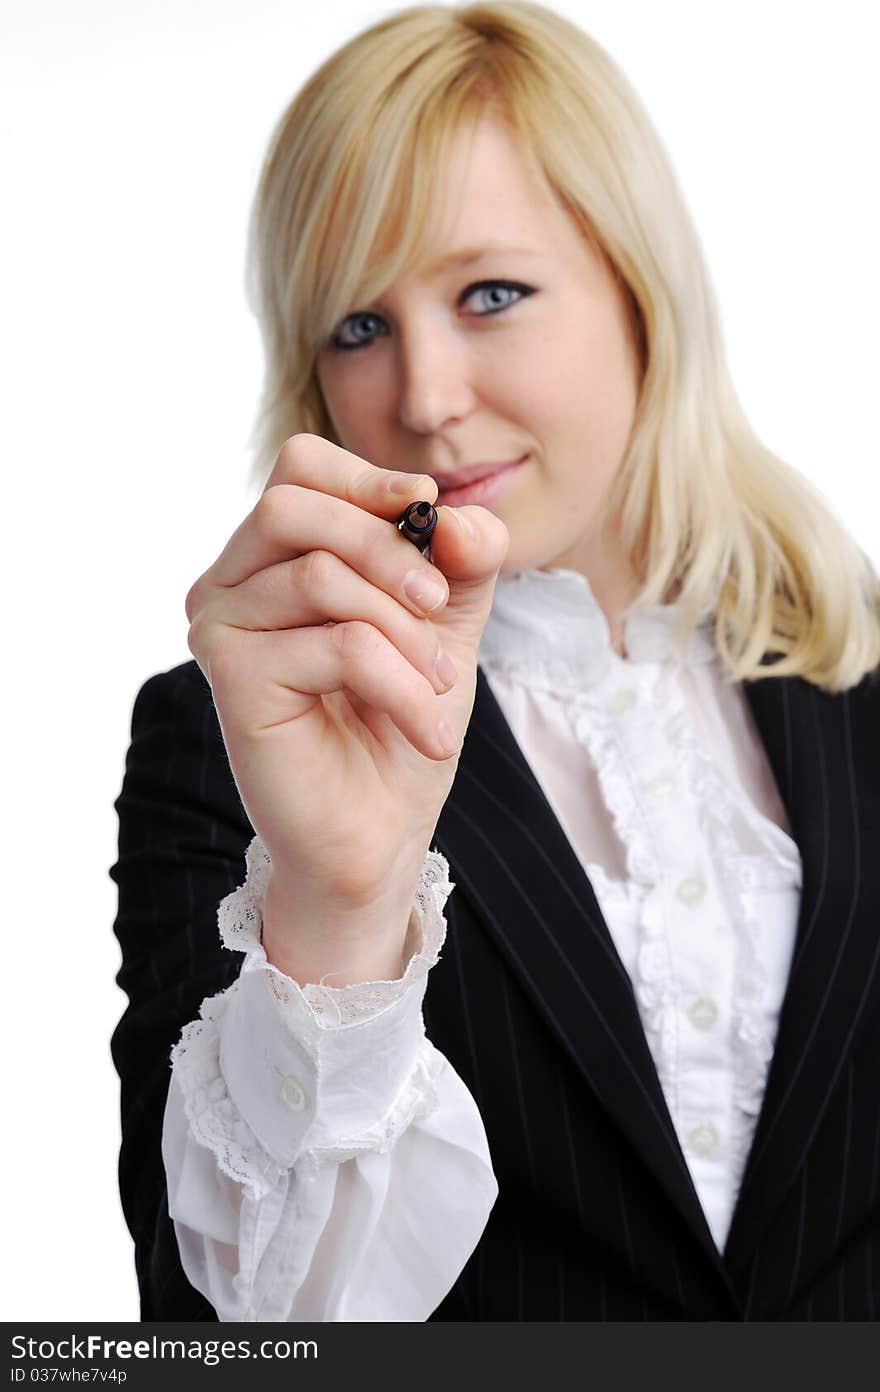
{"x":131,"y":140}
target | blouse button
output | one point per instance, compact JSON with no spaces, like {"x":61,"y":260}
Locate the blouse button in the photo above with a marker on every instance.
{"x":702,"y":1013}
{"x":292,"y":1092}
{"x":621,"y":702}
{"x":690,"y":891}
{"x":703,"y":1139}
{"x":658,"y":786}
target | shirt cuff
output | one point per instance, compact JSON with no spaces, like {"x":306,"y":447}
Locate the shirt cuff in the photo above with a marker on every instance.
{"x":321,"y":1073}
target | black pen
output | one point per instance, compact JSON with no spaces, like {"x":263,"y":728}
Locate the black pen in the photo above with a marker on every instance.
{"x":417,"y":523}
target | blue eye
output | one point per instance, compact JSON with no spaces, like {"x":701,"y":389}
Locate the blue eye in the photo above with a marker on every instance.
{"x":352,"y":320}
{"x":491,"y":287}
{"x":488,"y":287}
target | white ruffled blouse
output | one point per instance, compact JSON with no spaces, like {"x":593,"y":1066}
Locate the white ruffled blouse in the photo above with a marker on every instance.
{"x":324,"y":1160}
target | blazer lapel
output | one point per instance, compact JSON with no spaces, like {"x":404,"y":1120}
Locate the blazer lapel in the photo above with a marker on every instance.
{"x":825,"y":754}
{"x":510,"y":856}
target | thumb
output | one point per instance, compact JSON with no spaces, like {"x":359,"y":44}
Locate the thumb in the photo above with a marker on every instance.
{"x":469,"y":546}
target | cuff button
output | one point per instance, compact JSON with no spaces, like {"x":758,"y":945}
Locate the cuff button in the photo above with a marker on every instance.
{"x":293,"y":1094}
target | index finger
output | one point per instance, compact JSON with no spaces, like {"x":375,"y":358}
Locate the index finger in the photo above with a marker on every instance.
{"x":309,"y":462}
{"x":314,"y":462}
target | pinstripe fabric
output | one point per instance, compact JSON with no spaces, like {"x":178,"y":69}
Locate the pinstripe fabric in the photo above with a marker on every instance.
{"x":182,"y":836}
{"x":597,"y":1217}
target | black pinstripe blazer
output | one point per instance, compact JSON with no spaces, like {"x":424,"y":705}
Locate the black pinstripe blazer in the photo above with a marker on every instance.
{"x":597,"y":1217}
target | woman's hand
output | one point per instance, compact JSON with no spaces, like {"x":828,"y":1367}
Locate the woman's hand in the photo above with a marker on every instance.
{"x":326,"y":682}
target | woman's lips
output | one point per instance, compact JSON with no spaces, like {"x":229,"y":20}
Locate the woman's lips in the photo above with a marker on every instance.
{"x":483,"y":490}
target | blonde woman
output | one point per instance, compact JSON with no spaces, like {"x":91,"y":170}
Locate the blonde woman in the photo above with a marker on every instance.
{"x":546,"y":982}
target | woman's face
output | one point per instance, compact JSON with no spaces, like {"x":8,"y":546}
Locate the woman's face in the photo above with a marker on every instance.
{"x":527,"y":350}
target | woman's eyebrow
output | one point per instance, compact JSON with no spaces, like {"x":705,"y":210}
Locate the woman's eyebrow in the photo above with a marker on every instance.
{"x":466,"y":255}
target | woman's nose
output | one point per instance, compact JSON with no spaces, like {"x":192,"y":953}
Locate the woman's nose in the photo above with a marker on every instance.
{"x":435,"y":385}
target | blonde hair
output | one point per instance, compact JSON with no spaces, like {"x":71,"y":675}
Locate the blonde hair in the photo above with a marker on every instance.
{"x":710,"y":516}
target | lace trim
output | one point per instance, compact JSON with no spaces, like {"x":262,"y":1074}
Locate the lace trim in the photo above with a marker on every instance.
{"x":617,"y":779}
{"x":654,"y":975}
{"x":240,"y":919}
{"x":214,"y":1119}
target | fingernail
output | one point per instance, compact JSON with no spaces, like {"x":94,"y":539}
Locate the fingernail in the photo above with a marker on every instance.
{"x":422,"y":590}
{"x":402,"y":483}
{"x":446,"y":668}
{"x":464,"y":522}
